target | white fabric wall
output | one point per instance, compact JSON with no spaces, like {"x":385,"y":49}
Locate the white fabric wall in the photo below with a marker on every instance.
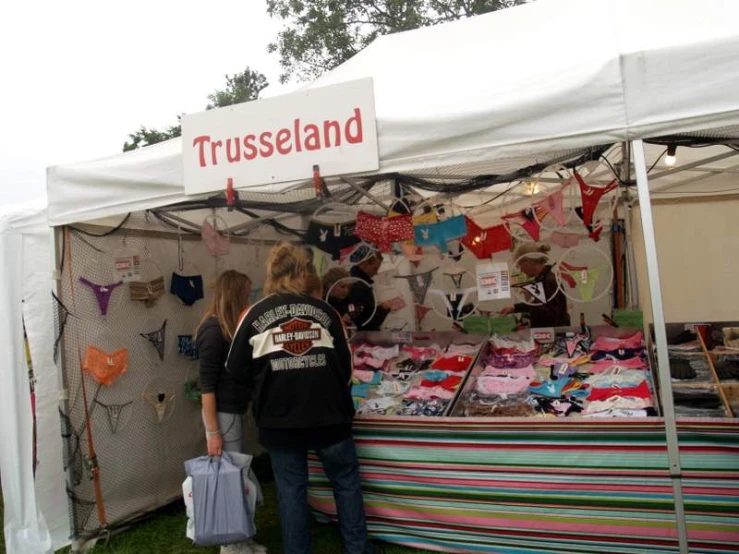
{"x":698,"y":253}
{"x":35,"y":514}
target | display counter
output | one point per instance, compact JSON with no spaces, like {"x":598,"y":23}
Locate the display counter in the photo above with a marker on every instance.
{"x":542,"y":484}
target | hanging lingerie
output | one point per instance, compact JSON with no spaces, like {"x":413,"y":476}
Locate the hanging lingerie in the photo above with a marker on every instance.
{"x":382,"y":231}
{"x":594,"y":231}
{"x":585,"y":279}
{"x":530,"y":222}
{"x":564,"y":240}
{"x":156,"y":338}
{"x":455,"y":300}
{"x":114,"y":412}
{"x":216,"y":243}
{"x":162,"y":402}
{"x":456,"y":250}
{"x":331,"y":238}
{"x":591,"y":197}
{"x":102,"y":293}
{"x":186,"y":347}
{"x":483,"y":243}
{"x":148,"y":293}
{"x":439,"y":234}
{"x":188,"y":288}
{"x":421,"y":312}
{"x":553,"y":204}
{"x":103,"y":367}
{"x":419,"y":284}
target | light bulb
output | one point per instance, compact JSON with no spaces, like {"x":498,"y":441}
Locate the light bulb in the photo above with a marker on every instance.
{"x":671,"y":158}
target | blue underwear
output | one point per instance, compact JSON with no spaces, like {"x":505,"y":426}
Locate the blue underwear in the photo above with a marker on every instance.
{"x":189,"y":289}
{"x":438,"y":234}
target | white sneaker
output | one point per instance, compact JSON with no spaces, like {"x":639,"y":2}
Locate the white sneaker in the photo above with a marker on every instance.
{"x":257,"y":548}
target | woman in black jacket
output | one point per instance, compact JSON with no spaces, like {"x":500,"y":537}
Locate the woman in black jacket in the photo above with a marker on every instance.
{"x":291,"y":350}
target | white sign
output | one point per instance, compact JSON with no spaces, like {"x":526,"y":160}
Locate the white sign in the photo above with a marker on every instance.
{"x":280,"y":139}
{"x":543,"y":335}
{"x":127,"y":266}
{"x":493,"y":281}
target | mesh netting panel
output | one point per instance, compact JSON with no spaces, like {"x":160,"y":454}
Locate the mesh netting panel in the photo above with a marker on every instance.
{"x":140,"y":445}
{"x":719,"y":135}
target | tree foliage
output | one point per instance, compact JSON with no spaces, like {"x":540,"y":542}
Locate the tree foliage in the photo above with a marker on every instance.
{"x":318,"y":35}
{"x":241,"y":87}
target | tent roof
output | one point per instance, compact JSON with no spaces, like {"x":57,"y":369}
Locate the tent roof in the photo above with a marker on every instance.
{"x":492,"y":93}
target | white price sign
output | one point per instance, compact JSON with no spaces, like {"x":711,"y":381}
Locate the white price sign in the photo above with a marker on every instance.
{"x":493,"y":281}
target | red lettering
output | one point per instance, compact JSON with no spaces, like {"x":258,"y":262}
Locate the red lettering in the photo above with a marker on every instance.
{"x":250,"y":151}
{"x":236,"y":155}
{"x":327,"y":126}
{"x":214,"y":146}
{"x":357,"y":137}
{"x":267,"y":149}
{"x":313,"y":137}
{"x":201,"y":142}
{"x":283,"y":137}
{"x":298,"y":145}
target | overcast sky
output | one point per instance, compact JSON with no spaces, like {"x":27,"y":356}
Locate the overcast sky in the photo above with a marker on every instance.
{"x":78,"y":76}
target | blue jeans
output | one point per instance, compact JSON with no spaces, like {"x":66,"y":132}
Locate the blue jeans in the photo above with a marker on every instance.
{"x":290,"y":466}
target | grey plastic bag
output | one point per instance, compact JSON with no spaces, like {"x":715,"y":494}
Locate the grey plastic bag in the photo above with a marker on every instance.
{"x":220,"y":510}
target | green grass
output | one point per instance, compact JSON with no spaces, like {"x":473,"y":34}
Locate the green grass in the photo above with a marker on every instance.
{"x":164,"y":533}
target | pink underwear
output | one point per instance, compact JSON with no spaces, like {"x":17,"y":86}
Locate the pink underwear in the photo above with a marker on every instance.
{"x":378,"y":352}
{"x":632,"y":363}
{"x":527,"y":372}
{"x":371,"y":362}
{"x":608,"y":343}
{"x":427,"y":393}
{"x":497,"y":386}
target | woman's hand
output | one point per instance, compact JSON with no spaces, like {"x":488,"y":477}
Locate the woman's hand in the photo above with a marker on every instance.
{"x":508,"y":310}
{"x":215,"y":445}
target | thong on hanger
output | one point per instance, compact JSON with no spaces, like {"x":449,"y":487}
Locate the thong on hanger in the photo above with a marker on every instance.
{"x":103,"y":367}
{"x":382,"y":231}
{"x":554,"y":205}
{"x":188,"y":288}
{"x":455,"y":300}
{"x":585,"y":279}
{"x":564,"y":240}
{"x":591,"y":197}
{"x":439,"y":234}
{"x":566,"y":275}
{"x":332,"y":238}
{"x":102,"y":293}
{"x":594,"y":231}
{"x":455,"y":251}
{"x":148,"y":293}
{"x":156,"y":338}
{"x":161,"y":402}
{"x":186,"y":347}
{"x":526,"y":219}
{"x":419,"y":284}
{"x":483,"y":243}
{"x":216,"y":243}
{"x":114,"y":412}
{"x":456,"y":277}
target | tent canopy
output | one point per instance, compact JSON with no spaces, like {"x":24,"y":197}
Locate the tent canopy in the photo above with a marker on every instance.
{"x":492,"y":93}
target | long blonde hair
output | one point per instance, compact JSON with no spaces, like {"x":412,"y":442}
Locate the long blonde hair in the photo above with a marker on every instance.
{"x":332,"y":276}
{"x":230,"y":299}
{"x":287,"y":267}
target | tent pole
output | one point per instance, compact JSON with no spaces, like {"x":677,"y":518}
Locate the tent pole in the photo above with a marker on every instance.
{"x":363,"y":192}
{"x":660,"y":333}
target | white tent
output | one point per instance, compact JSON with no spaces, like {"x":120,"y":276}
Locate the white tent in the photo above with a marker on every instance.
{"x":485,"y":95}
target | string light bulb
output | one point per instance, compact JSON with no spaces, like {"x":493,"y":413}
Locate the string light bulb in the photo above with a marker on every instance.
{"x":671,"y":158}
{"x":533,"y":188}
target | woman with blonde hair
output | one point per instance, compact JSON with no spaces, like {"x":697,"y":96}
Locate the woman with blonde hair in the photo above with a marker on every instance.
{"x":290,"y":349}
{"x":531,"y":259}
